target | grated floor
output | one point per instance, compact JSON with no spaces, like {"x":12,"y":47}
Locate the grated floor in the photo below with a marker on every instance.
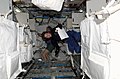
{"x":51,"y":70}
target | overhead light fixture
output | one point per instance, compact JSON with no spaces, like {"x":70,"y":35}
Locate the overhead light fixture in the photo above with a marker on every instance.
{"x":17,"y":10}
{"x":80,"y":10}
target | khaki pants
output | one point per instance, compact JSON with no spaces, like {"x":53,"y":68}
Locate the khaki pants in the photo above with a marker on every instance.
{"x":45,"y":55}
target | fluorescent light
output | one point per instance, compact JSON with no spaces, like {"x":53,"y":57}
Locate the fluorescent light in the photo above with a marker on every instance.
{"x":17,"y":10}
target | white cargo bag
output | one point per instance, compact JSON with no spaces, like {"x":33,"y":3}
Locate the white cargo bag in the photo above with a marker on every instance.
{"x":49,"y":4}
{"x":9,"y":54}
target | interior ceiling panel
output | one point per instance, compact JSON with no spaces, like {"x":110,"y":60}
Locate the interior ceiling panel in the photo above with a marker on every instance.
{"x":68,"y":6}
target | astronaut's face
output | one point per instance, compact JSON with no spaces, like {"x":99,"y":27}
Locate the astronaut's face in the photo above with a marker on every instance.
{"x":47,"y":35}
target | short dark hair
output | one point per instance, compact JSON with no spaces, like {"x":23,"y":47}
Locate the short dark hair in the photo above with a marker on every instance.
{"x":49,"y":28}
{"x":42,"y":35}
